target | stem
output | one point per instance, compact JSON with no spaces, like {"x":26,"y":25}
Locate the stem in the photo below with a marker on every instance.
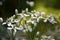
{"x":13,"y":37}
{"x":39,"y":38}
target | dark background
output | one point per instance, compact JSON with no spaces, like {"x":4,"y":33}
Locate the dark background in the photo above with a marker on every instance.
{"x":8,"y":7}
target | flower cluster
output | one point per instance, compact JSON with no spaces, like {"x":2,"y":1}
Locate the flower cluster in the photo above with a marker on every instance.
{"x":44,"y":37}
{"x":23,"y":21}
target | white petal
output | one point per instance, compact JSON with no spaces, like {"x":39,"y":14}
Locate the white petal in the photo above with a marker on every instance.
{"x":26,"y":9}
{"x":32,"y":15}
{"x":45,"y":20}
{"x":16,"y":11}
{"x":28,"y":21}
{"x":1,"y":19}
{"x":26,"y":15}
{"x":38,"y":33}
{"x":4,"y":23}
{"x":21,"y":15}
{"x":32,"y":22}
{"x":40,"y":17}
{"x":31,"y":3}
{"x":9,"y":24}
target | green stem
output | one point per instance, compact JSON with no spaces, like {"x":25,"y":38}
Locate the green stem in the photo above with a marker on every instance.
{"x":13,"y":37}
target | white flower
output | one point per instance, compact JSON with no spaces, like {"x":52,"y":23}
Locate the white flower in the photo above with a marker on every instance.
{"x":52,"y":20}
{"x":26,"y":9}
{"x":32,"y":22}
{"x":38,"y":33}
{"x":33,"y":17}
{"x":9,"y":24}
{"x":45,"y":20}
{"x":16,"y":11}
{"x":37,"y":14}
{"x":13,"y":16}
{"x":1,"y":19}
{"x":31,"y":3}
